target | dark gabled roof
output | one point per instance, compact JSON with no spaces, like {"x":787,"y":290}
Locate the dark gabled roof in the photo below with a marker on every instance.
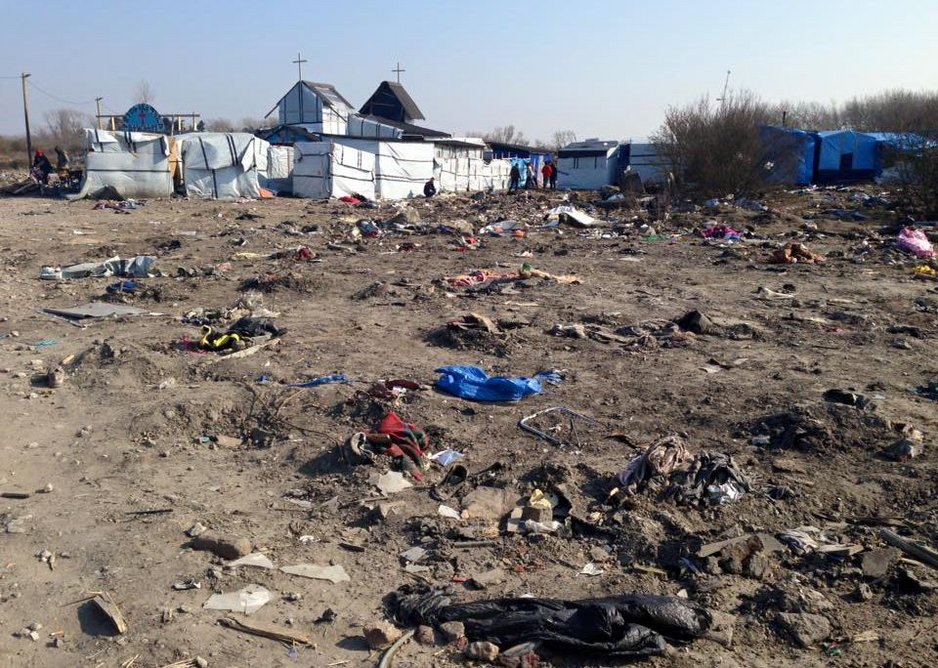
{"x":388,"y":92}
{"x":326,"y":92}
{"x":407,"y":128}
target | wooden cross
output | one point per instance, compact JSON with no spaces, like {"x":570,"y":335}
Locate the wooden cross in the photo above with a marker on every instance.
{"x":398,"y":71}
{"x":299,"y":65}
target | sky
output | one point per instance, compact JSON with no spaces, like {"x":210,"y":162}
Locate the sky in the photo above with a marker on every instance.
{"x":601,"y":68}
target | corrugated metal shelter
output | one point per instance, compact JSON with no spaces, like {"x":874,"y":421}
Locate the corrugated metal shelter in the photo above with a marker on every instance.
{"x":587,"y":165}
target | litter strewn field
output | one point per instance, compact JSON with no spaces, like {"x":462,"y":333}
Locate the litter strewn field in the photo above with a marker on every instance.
{"x":279,"y":441}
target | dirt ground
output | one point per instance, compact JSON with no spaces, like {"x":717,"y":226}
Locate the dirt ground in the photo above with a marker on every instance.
{"x":143,"y":422}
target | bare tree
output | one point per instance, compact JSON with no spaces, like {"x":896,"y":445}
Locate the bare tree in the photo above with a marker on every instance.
{"x":144,"y":92}
{"x":65,"y":128}
{"x":719,"y":149}
{"x":561,"y":138}
{"x":508,"y":134}
{"x":219,"y":125}
{"x":249,"y":124}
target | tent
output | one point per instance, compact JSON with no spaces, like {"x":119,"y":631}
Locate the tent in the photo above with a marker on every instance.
{"x":846,"y":155}
{"x":326,"y":169}
{"x":587,"y":165}
{"x":220,"y":165}
{"x":128,"y":164}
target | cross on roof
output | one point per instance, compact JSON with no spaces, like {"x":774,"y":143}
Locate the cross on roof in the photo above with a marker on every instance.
{"x":397,"y":70}
{"x":299,"y":65}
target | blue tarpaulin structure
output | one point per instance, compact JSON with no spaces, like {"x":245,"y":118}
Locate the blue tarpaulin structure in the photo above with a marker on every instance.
{"x":846,"y":155}
{"x":792,"y":154}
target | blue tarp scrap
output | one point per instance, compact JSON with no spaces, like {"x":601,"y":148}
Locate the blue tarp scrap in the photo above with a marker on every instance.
{"x":472,"y":383}
{"x":322,"y":380}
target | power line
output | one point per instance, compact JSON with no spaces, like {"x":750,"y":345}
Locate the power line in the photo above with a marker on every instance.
{"x":32,"y":84}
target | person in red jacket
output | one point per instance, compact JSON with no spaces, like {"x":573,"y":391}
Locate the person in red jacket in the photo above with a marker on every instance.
{"x":547,"y":170}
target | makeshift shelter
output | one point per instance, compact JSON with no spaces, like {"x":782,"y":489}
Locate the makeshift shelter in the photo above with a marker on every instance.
{"x":128,"y":165}
{"x":223,"y":165}
{"x":790,"y":153}
{"x":326,"y":169}
{"x":317,"y":106}
{"x":503,"y":150}
{"x":401,"y":168}
{"x":845,"y":155}
{"x":587,"y":165}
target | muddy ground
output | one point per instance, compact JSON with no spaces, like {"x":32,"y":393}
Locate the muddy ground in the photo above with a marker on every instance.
{"x":143,"y":422}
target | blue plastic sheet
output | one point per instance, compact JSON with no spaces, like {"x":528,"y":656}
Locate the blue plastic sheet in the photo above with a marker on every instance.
{"x":322,"y":380}
{"x":472,"y":383}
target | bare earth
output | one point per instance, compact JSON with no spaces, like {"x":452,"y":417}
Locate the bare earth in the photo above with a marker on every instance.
{"x":133,"y":427}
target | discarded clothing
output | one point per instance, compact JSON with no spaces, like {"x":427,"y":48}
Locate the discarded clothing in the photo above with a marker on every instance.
{"x":792,"y":253}
{"x":915,"y":242}
{"x":472,"y":383}
{"x":251,"y":326}
{"x":721,"y":232}
{"x":483,"y":276}
{"x":402,"y":440}
{"x":713,"y":478}
{"x":629,"y":626}
{"x":323,"y":380}
{"x":660,"y":459}
{"x":134,"y":267}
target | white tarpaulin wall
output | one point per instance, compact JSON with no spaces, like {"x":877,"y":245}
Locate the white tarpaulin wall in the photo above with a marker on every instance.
{"x":223,"y":165}
{"x":325,"y":169}
{"x":471,"y":174}
{"x":133,"y":164}
{"x":279,"y":169}
{"x":401,"y":168}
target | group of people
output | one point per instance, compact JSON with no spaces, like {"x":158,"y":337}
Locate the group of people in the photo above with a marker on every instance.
{"x":42,"y":167}
{"x":548,"y":172}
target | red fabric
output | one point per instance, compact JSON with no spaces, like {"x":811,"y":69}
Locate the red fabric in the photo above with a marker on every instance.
{"x":350,"y":200}
{"x":547,"y":170}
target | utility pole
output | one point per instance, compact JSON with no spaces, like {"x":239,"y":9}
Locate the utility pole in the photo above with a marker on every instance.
{"x":29,"y":139}
{"x":97,"y":101}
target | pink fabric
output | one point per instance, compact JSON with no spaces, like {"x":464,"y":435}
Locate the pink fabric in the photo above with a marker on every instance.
{"x":915,"y":242}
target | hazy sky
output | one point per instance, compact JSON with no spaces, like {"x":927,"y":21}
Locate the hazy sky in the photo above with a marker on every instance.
{"x":605,"y":68}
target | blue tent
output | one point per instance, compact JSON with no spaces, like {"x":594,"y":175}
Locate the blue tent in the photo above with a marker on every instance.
{"x":846,"y":155}
{"x":792,"y":153}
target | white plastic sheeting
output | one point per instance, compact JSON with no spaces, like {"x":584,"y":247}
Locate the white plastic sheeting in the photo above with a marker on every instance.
{"x":586,"y":173}
{"x":644,"y":159}
{"x":133,"y":164}
{"x":326,"y":169}
{"x":371,"y":129}
{"x":301,"y":105}
{"x":279,"y":169}
{"x":401,"y":168}
{"x":223,"y":165}
{"x":471,"y":174}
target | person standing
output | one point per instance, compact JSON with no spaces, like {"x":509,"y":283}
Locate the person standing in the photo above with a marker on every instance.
{"x":531,"y":180}
{"x":514,"y":177}
{"x":61,"y":159}
{"x":546,"y":172}
{"x":553,"y":175}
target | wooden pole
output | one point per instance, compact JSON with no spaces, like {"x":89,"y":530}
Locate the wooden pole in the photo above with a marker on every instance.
{"x":29,"y":139}
{"x":97,"y":102}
